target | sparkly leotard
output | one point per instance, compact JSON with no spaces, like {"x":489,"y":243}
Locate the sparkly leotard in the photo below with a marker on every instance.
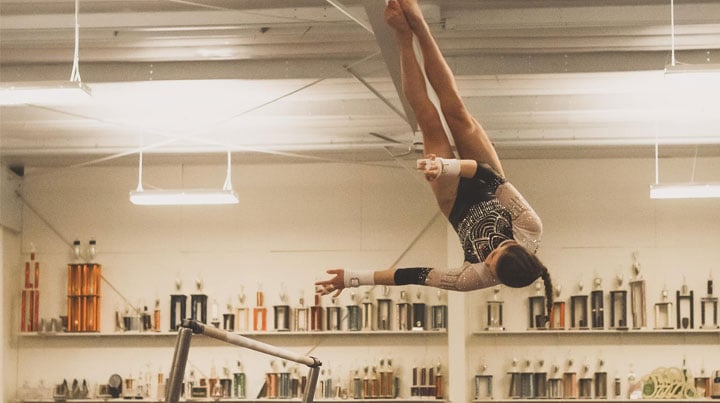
{"x":489,"y":210}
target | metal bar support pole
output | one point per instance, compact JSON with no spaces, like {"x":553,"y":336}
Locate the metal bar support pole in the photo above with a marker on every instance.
{"x":177,"y":371}
{"x":312,"y":383}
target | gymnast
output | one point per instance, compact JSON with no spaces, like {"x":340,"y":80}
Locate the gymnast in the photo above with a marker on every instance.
{"x":498,"y":229}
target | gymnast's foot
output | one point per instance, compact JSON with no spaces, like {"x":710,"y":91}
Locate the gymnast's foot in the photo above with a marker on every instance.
{"x":413,"y":14}
{"x":395,"y":18}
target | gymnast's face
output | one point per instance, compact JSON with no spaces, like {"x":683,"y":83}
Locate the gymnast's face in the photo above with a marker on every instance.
{"x":492,"y":258}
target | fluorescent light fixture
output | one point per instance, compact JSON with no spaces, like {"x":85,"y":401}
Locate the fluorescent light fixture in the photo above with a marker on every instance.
{"x":705,"y":70}
{"x":44,"y":93}
{"x":692,"y":68}
{"x":50,"y":92}
{"x":691,"y":190}
{"x":168,"y":197}
{"x":187,"y":197}
{"x":686,"y":190}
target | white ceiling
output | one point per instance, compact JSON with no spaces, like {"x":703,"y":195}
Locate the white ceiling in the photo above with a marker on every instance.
{"x":304,"y":80}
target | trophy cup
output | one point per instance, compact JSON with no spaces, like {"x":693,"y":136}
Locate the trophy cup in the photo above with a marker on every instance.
{"x":387,"y":379}
{"x":30,"y":305}
{"x":527,"y":390}
{"x":281,"y":313}
{"x":483,"y":384}
{"x":557,"y":315}
{"x":618,"y":306}
{"x":384,"y":310}
{"x":367,"y":313}
{"x":597,"y":305}
{"x":198,"y":303}
{"x":702,"y":385}
{"x":242,"y":313}
{"x":215,"y":314}
{"x":317,"y":315}
{"x":579,"y":310}
{"x":354,"y":313}
{"x":515,"y":390}
{"x":536,"y":305}
{"x":229,"y":318}
{"x":284,"y":382}
{"x":301,"y":317}
{"x":333,"y":316}
{"x":684,"y":306}
{"x":709,"y":308}
{"x":259,"y":311}
{"x":585,"y":384}
{"x":439,"y":313}
{"x":601,"y":387}
{"x":495,"y":311}
{"x":663,"y":312}
{"x":570,"y":382}
{"x":540,"y":381}
{"x":404,"y":313}
{"x":419,"y":309}
{"x":178,"y":306}
{"x":555,"y":383}
{"x":637,"y":296}
{"x":617,"y":388}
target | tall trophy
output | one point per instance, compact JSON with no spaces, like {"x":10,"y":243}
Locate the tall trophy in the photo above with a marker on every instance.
{"x":638,"y":300}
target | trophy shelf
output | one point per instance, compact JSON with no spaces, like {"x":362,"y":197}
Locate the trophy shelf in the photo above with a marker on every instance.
{"x":155,"y":335}
{"x":231,"y":400}
{"x":591,"y":400}
{"x":164,"y":339}
{"x":606,"y":332}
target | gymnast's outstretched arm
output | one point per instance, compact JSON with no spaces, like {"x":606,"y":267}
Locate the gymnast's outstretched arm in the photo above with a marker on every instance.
{"x":467,"y":278}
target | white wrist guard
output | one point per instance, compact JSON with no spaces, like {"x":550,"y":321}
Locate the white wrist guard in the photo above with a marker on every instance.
{"x":358,"y":278}
{"x":448,"y":166}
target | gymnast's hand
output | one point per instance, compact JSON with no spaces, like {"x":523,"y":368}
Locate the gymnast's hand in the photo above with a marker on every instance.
{"x":430,"y":167}
{"x":336,"y":283}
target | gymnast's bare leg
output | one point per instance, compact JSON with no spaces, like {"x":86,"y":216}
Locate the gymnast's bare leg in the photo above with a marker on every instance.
{"x":470,"y":138}
{"x":435,"y":139}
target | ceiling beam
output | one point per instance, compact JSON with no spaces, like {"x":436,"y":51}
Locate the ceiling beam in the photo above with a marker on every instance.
{"x":385,"y":39}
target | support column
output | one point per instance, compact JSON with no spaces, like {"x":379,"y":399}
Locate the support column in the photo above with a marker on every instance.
{"x":457,"y":330}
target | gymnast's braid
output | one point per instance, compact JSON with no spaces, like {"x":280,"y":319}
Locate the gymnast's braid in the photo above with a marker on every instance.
{"x":548,"y":290}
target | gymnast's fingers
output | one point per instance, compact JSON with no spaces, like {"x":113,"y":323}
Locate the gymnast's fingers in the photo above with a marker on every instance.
{"x":336,"y":272}
{"x":321,"y":289}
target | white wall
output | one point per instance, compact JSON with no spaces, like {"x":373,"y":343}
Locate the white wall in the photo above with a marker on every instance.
{"x":9,"y":291}
{"x":10,"y":227}
{"x":295,"y":221}
{"x":596,"y":214}
{"x":292,"y":224}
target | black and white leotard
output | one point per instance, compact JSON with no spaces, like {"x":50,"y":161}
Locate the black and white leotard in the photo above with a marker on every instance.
{"x":487,"y":211}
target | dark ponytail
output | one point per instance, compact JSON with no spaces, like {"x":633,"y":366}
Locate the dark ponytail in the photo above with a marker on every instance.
{"x":545,"y":275}
{"x":518,"y":267}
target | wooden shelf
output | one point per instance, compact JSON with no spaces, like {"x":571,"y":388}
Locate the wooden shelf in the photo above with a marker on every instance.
{"x":232,"y":400}
{"x":606,"y":332}
{"x":155,"y":335}
{"x":610,"y":399}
